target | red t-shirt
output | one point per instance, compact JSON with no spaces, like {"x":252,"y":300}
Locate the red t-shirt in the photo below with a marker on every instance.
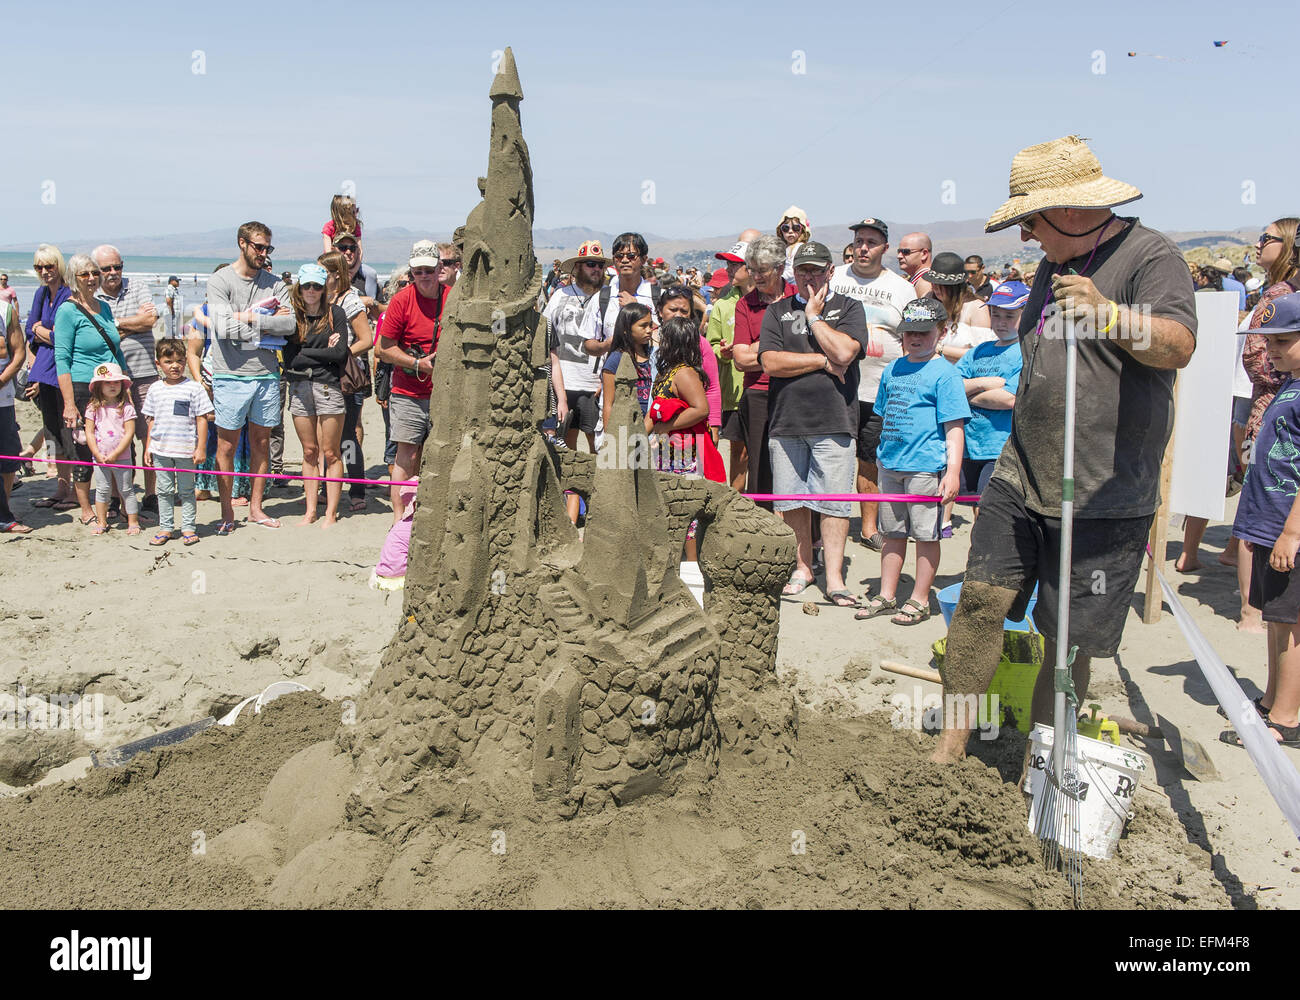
{"x":412,"y":320}
{"x":329,"y":228}
{"x":749,"y":324}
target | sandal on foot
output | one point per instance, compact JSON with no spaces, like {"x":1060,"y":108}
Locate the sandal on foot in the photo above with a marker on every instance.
{"x":797,"y":585}
{"x":226,"y":527}
{"x":912,"y":611}
{"x":15,"y":528}
{"x":1290,"y":735}
{"x":358,"y":505}
{"x":842,"y":598}
{"x":1259,"y":707}
{"x":87,"y":520}
{"x":876,"y":606}
{"x":189,"y":538}
{"x":99,"y":529}
{"x":161,"y":538}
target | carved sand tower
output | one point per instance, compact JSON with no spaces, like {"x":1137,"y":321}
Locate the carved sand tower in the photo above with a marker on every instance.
{"x":584,"y":667}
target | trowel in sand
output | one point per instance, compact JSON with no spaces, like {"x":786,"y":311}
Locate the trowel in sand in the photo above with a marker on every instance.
{"x":1189,"y":752}
{"x":118,"y":756}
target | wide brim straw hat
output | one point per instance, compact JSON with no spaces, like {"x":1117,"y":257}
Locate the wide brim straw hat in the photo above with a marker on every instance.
{"x":1063,"y":173}
{"x":589,"y":251}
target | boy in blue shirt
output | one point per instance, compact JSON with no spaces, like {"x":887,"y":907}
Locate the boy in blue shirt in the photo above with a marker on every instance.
{"x":1268,"y":524}
{"x":922,"y":401}
{"x":992,"y":373}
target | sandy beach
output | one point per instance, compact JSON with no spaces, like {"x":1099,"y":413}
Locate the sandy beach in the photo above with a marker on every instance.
{"x":168,"y":636}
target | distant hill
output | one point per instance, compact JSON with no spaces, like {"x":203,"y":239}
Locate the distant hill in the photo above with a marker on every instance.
{"x":387,"y":246}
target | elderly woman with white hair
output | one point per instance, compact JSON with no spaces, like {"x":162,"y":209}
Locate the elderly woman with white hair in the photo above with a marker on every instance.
{"x":42,"y":381}
{"x":85,"y":337}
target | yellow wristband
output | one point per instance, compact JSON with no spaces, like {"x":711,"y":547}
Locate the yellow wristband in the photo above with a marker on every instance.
{"x":1114,"y":315}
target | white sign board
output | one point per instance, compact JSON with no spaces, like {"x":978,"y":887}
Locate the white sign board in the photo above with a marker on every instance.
{"x":1203,"y":400}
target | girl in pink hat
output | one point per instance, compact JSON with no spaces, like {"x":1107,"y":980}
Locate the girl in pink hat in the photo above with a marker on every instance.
{"x":110,"y":426}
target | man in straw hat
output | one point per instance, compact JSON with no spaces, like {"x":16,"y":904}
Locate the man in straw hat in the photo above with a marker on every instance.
{"x":1127,"y":291}
{"x":573,"y":376}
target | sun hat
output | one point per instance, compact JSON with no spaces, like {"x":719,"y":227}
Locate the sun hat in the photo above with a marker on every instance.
{"x":736,"y":254}
{"x":870,"y":223}
{"x":798,"y":214}
{"x":719,"y":278}
{"x":312,"y":274}
{"x":1223,"y":265}
{"x":1063,"y":173}
{"x":1280,"y":315}
{"x":812,"y":252}
{"x":1254,"y":284}
{"x":589,"y":251}
{"x":109,"y":372}
{"x":340,"y":237}
{"x":946,"y":269}
{"x":1009,"y":295}
{"x":424,"y":254}
{"x":923,"y":314}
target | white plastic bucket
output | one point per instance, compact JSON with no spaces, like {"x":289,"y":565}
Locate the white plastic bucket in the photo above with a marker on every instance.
{"x":1109,"y":776}
{"x":694,"y":580}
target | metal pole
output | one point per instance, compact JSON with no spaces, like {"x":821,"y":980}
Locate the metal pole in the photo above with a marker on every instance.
{"x":1067,"y":540}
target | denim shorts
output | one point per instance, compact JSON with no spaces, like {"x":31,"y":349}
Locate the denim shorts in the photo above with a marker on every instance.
{"x":826,"y":463}
{"x":239,"y":400}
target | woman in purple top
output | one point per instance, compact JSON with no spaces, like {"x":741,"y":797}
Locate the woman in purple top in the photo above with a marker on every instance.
{"x":42,"y":380}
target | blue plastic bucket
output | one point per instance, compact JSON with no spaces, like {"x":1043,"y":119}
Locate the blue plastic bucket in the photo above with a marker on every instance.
{"x":949,"y":596}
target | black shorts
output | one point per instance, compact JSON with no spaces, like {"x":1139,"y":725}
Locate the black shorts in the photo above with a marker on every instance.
{"x":11,"y":442}
{"x":975,"y":474}
{"x":1014,"y":548}
{"x":870,"y":424}
{"x":753,"y":423}
{"x":1277,"y":595}
{"x":731,"y":428}
{"x":585,"y":412}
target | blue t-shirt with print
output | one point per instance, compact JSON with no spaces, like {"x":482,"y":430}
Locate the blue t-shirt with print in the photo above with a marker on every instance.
{"x":1270,"y":488}
{"x":915,"y":400}
{"x":988,"y":430}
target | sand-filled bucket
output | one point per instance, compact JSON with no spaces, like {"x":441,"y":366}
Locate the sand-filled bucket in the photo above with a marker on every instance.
{"x":1109,"y":776}
{"x":694,"y":580}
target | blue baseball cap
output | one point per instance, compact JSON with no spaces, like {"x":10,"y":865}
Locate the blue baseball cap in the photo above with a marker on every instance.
{"x":1280,"y":315}
{"x":1009,"y":295}
{"x":312,"y":274}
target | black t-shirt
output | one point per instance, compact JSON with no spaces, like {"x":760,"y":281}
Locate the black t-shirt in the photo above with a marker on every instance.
{"x":985,"y":290}
{"x":1125,"y":409}
{"x":816,"y":403}
{"x":313,"y":358}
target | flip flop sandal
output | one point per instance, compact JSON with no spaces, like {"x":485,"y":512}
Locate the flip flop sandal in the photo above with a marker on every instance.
{"x":161,"y":538}
{"x":876,"y":606}
{"x":87,"y":520}
{"x":15,"y":528}
{"x":798,"y":583}
{"x":358,"y":505}
{"x":226,"y":527}
{"x":189,"y":539}
{"x":913,"y":611}
{"x":842,"y":598}
{"x":99,"y":529}
{"x":1290,"y":735}
{"x":265,"y":522}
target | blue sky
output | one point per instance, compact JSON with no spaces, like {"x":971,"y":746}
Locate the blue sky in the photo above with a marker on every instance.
{"x":700,"y":99}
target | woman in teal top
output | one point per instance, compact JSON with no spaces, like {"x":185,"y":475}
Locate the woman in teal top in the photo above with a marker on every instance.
{"x":78,"y":348}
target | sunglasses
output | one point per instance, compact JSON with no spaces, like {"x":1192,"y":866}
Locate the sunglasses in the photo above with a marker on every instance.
{"x":907,"y":253}
{"x":626,"y":255}
{"x":423,"y":272}
{"x":311,"y":286}
{"x":789,"y":227}
{"x":449,"y":263}
{"x":261,"y":247}
{"x":87,"y":274}
{"x":972,"y":271}
{"x":1028,"y":223}
{"x":348,"y":247}
{"x":591,"y":263}
{"x":1265,"y":239}
{"x":111,"y":267}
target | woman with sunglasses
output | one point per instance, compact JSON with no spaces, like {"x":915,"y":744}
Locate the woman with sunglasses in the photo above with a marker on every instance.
{"x":42,"y":380}
{"x":339,"y":292}
{"x":313,"y":367}
{"x":793,"y":230}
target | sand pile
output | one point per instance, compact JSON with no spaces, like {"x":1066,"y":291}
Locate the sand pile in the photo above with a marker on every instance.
{"x":255,"y":816}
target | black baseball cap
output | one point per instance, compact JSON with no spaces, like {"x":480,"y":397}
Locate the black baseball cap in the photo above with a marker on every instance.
{"x":869,"y":223}
{"x":812,"y":252}
{"x":923,"y":314}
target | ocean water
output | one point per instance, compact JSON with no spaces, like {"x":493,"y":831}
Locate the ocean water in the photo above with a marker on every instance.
{"x":152,"y":271}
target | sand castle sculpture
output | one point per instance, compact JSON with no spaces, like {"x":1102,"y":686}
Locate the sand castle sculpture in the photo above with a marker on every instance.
{"x":525,"y":652}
